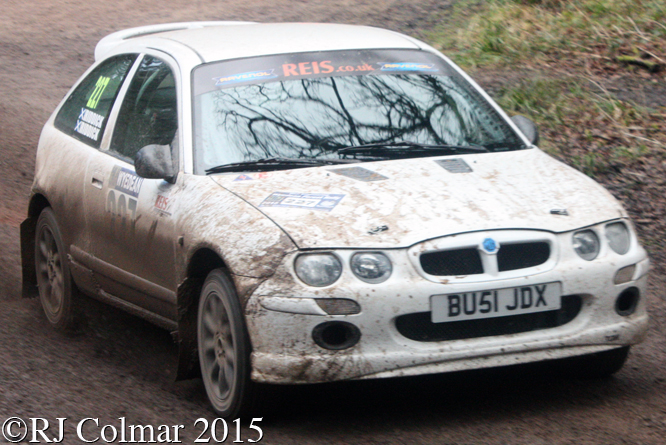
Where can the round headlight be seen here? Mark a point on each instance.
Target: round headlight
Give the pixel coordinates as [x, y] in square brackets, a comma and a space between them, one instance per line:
[318, 269]
[371, 267]
[618, 237]
[586, 244]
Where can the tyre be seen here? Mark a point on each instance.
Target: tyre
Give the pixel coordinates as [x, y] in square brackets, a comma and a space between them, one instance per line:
[224, 347]
[597, 365]
[57, 292]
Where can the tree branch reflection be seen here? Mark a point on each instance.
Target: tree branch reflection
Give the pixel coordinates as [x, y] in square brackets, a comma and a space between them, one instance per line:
[317, 116]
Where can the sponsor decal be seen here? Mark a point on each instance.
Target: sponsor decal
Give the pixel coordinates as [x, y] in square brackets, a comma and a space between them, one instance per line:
[245, 77]
[315, 201]
[251, 177]
[307, 68]
[408, 66]
[360, 174]
[126, 181]
[162, 204]
[323, 67]
[456, 165]
[89, 124]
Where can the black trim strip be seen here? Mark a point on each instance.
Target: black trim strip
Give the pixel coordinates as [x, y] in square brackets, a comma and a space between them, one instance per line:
[116, 274]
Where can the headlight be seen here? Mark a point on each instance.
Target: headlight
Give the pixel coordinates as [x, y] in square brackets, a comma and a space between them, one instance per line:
[371, 267]
[618, 237]
[586, 244]
[318, 269]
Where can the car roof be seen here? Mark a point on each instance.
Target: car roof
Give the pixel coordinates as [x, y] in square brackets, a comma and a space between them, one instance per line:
[213, 41]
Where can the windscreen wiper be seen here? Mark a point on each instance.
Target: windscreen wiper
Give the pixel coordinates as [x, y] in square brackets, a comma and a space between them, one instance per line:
[415, 149]
[274, 164]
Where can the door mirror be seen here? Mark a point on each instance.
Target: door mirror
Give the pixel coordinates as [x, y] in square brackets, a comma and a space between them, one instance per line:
[155, 162]
[528, 128]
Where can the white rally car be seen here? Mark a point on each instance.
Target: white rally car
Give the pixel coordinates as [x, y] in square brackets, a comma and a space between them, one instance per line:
[305, 203]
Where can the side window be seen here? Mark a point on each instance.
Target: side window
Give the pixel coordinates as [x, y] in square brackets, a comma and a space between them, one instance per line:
[85, 112]
[149, 114]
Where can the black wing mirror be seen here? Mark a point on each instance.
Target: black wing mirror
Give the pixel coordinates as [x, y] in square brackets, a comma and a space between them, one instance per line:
[155, 162]
[528, 128]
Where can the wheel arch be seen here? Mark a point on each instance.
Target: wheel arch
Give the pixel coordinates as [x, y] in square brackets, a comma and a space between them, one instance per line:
[203, 260]
[38, 202]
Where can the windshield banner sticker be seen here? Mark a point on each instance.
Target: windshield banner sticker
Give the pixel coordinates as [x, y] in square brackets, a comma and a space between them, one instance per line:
[408, 67]
[257, 70]
[126, 181]
[314, 201]
[359, 173]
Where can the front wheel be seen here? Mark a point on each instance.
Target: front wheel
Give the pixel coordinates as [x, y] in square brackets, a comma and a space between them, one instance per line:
[57, 292]
[224, 347]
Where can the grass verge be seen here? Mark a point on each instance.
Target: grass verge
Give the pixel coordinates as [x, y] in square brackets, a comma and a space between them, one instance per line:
[585, 126]
[598, 35]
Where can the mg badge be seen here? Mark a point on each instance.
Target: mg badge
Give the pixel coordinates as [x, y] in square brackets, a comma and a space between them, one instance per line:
[490, 246]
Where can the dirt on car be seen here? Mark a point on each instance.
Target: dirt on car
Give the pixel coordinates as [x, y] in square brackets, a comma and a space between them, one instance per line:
[119, 367]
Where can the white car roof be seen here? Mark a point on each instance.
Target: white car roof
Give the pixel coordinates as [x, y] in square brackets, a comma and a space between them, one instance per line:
[213, 41]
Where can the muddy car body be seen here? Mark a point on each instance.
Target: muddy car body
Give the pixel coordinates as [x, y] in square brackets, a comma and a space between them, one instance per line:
[306, 203]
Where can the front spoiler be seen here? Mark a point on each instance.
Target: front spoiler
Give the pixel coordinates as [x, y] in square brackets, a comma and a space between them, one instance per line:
[353, 364]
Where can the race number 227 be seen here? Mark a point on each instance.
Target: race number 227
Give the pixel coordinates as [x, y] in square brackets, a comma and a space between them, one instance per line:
[100, 86]
[122, 207]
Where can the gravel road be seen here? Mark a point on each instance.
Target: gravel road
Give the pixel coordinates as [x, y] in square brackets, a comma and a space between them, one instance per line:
[121, 367]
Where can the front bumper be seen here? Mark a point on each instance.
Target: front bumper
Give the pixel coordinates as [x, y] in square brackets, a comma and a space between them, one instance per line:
[284, 350]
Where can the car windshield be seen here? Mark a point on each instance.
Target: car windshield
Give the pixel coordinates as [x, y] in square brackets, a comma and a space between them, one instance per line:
[341, 106]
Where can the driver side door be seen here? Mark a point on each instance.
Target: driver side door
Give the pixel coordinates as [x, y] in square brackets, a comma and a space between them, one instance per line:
[131, 226]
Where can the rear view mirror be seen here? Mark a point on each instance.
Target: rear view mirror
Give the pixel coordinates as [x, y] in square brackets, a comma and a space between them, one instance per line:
[528, 128]
[155, 162]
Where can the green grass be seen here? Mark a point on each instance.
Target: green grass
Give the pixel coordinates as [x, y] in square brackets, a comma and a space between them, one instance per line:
[594, 132]
[601, 33]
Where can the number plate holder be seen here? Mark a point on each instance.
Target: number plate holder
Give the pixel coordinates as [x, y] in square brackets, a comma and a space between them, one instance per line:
[496, 302]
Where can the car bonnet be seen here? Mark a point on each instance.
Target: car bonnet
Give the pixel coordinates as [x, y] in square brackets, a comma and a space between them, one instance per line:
[398, 203]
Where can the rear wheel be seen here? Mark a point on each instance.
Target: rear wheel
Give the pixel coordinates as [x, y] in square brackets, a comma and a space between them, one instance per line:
[56, 289]
[224, 347]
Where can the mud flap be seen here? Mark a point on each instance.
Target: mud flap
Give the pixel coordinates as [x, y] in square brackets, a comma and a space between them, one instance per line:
[28, 269]
[186, 336]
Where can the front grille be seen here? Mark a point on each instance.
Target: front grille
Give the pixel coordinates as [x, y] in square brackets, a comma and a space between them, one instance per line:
[419, 327]
[452, 262]
[467, 261]
[523, 255]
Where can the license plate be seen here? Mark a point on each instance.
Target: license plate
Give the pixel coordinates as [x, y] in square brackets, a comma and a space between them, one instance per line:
[496, 303]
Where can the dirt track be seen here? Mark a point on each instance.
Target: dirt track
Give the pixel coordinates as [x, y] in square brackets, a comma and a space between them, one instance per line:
[120, 366]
